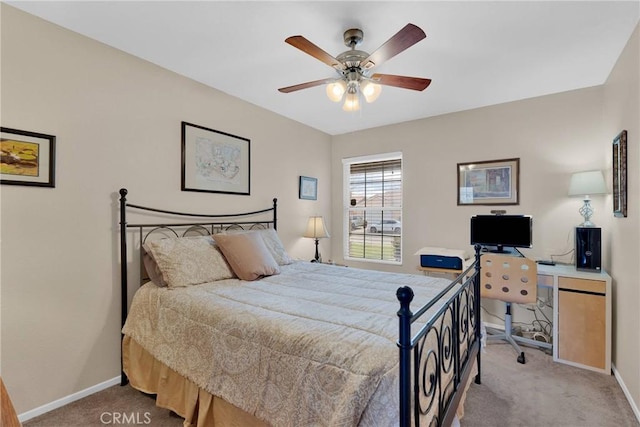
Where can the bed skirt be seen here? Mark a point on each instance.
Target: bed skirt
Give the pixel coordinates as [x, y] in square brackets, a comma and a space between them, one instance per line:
[198, 407]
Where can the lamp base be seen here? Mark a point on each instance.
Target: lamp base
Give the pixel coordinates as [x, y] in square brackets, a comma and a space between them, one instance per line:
[317, 257]
[586, 211]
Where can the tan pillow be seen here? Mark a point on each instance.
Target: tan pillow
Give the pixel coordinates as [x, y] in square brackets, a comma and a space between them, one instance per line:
[248, 255]
[188, 261]
[272, 241]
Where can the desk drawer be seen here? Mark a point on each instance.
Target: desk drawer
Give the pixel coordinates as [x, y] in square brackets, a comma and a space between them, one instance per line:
[585, 285]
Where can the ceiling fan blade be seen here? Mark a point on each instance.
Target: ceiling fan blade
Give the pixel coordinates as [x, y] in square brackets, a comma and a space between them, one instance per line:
[413, 83]
[306, 85]
[402, 40]
[311, 49]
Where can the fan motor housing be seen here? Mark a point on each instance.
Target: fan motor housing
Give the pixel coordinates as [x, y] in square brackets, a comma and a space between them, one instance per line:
[352, 58]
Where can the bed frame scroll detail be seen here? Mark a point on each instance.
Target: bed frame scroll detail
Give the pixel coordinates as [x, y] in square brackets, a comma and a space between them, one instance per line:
[433, 380]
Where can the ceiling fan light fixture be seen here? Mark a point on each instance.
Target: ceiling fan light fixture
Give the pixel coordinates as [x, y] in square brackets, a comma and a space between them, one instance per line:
[354, 67]
[336, 90]
[370, 90]
[351, 102]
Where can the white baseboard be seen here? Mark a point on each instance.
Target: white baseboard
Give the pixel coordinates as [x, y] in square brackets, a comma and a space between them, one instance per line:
[67, 399]
[625, 390]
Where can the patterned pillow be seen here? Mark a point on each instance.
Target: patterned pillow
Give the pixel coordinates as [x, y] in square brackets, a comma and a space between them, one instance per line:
[273, 243]
[188, 261]
[248, 255]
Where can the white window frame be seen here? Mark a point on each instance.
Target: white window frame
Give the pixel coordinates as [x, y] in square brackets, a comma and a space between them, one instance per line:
[346, 222]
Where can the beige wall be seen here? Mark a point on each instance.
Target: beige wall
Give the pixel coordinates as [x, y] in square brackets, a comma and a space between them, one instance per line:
[622, 111]
[553, 136]
[117, 123]
[117, 120]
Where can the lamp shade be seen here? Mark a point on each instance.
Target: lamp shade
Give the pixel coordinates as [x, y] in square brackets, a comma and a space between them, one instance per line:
[370, 90]
[336, 90]
[316, 228]
[587, 183]
[351, 102]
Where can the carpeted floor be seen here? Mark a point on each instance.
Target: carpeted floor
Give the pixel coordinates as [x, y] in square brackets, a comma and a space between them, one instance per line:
[538, 394]
[543, 393]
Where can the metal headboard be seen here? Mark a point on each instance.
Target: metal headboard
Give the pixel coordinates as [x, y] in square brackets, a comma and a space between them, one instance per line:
[215, 223]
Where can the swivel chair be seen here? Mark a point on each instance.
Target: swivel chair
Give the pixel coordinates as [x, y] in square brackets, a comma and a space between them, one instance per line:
[512, 279]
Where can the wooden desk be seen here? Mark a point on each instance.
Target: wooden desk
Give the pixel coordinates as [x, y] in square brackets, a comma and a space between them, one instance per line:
[581, 316]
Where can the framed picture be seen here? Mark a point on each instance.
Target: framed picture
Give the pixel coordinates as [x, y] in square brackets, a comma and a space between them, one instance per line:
[620, 175]
[27, 158]
[493, 182]
[214, 161]
[308, 188]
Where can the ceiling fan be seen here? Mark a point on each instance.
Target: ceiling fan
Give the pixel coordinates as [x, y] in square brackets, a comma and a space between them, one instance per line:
[354, 67]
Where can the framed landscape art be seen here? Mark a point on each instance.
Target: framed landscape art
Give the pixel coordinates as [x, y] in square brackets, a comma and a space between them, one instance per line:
[492, 182]
[27, 158]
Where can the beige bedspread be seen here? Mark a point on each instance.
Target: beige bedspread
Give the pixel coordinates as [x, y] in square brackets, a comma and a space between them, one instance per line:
[315, 345]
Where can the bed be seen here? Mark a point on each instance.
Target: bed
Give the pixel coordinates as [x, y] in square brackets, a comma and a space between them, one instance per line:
[238, 341]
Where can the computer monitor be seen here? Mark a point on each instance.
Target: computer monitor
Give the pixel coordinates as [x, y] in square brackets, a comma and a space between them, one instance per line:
[502, 231]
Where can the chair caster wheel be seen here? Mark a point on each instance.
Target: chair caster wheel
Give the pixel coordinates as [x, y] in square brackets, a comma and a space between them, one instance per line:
[521, 358]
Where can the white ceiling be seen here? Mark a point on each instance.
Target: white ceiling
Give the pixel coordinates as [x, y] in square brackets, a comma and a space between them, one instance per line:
[477, 53]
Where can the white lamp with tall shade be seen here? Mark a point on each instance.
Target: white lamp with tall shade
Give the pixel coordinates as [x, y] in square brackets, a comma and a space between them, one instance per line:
[316, 230]
[586, 184]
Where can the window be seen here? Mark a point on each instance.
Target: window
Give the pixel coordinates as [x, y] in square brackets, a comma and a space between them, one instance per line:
[373, 208]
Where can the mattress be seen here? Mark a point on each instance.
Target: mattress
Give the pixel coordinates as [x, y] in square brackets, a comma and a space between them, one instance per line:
[314, 345]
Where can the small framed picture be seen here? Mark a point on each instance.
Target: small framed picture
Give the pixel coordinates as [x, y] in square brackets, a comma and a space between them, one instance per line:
[308, 188]
[214, 161]
[28, 158]
[492, 182]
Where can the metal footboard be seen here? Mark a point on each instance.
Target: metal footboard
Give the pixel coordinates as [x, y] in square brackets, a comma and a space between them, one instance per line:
[436, 361]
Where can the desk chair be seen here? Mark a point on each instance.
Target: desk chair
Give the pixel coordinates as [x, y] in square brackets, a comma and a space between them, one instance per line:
[512, 279]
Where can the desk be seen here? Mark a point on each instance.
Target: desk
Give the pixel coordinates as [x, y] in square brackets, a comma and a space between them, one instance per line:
[581, 316]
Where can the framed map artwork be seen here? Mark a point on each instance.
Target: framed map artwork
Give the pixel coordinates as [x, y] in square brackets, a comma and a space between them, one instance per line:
[214, 161]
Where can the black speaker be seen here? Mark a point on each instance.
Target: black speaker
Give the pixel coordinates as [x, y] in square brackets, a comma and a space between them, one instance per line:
[588, 248]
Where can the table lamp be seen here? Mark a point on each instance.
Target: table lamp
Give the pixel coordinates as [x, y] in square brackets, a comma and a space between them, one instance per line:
[316, 230]
[587, 184]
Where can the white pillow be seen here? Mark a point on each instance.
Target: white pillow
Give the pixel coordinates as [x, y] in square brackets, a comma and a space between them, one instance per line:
[185, 261]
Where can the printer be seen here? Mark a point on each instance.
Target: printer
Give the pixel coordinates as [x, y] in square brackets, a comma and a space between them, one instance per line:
[442, 258]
